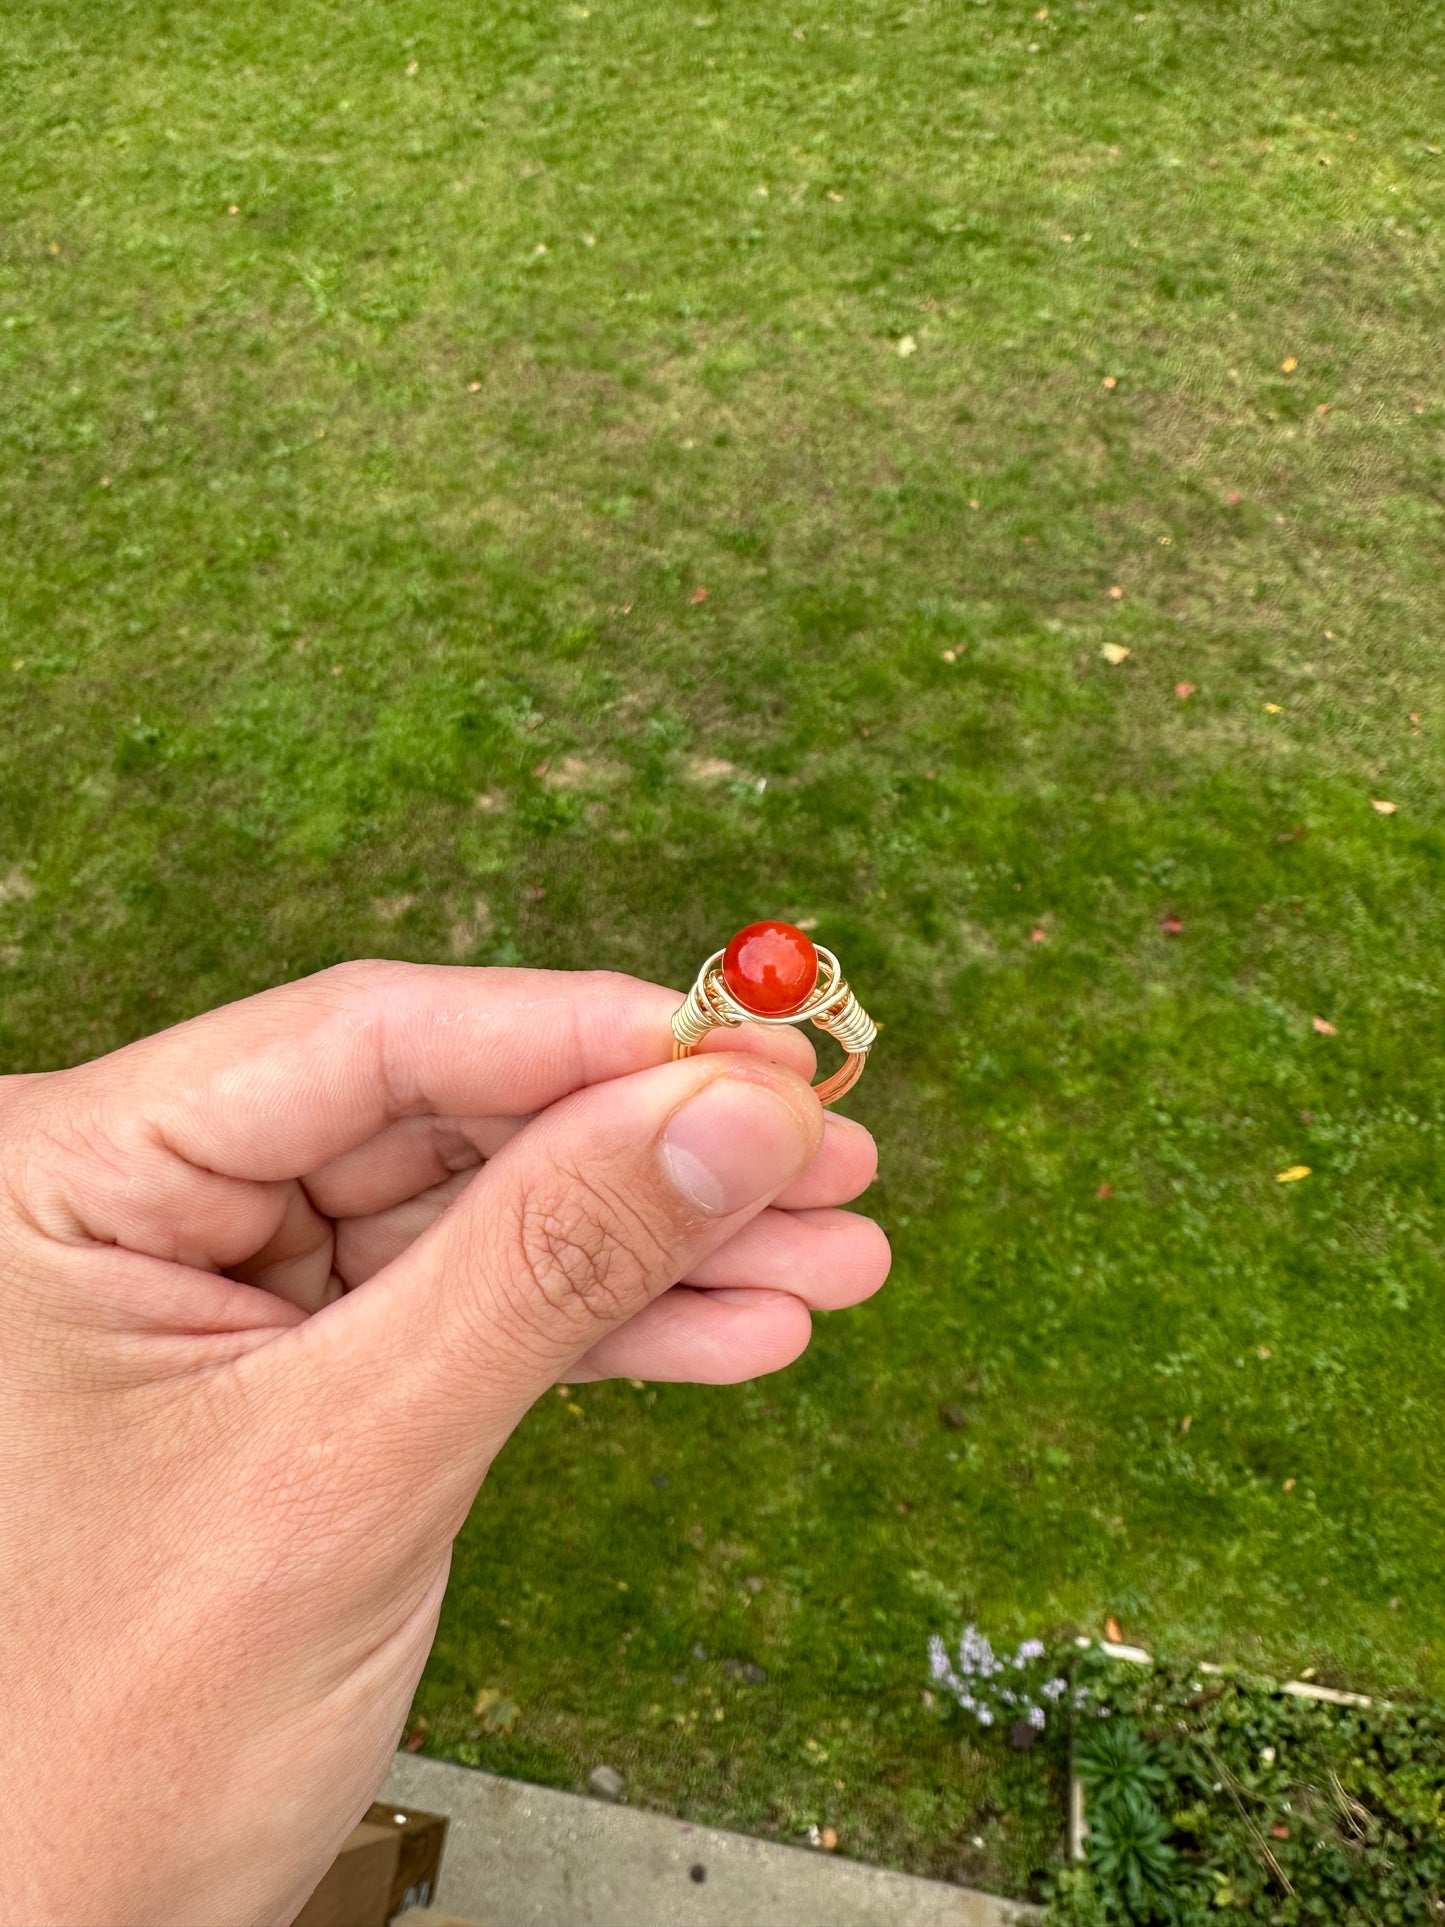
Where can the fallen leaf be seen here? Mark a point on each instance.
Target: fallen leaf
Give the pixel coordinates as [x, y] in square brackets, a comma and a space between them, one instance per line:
[1038, 936]
[1171, 925]
[1263, 1351]
[1322, 408]
[1114, 652]
[1279, 1831]
[1184, 690]
[1290, 1484]
[1186, 1425]
[1104, 1191]
[698, 595]
[496, 1710]
[908, 346]
[1414, 715]
[1292, 1175]
[1234, 498]
[1288, 365]
[950, 655]
[1324, 1026]
[233, 209]
[1275, 709]
[1116, 594]
[1113, 1630]
[1382, 808]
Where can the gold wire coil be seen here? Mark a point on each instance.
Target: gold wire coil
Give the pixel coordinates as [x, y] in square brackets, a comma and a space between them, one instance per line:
[830, 1006]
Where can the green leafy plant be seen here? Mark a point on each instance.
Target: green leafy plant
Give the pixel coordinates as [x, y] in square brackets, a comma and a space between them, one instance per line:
[1209, 1795]
[1114, 1763]
[1128, 1836]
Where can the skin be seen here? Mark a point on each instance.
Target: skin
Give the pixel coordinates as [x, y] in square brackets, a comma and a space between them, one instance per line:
[275, 1287]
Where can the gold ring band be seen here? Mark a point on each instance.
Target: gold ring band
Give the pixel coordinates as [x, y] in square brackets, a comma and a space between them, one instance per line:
[829, 1006]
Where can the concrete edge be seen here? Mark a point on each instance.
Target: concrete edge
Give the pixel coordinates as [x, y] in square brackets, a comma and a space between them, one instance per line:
[519, 1854]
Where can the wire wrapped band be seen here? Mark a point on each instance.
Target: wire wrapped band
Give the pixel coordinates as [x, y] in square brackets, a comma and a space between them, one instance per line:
[830, 1006]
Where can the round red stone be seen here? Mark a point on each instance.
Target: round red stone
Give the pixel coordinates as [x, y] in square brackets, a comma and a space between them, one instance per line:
[770, 968]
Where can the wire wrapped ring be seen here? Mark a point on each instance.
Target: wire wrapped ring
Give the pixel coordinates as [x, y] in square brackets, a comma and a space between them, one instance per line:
[830, 1006]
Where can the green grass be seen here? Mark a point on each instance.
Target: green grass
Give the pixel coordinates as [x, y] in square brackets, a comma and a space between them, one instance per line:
[346, 607]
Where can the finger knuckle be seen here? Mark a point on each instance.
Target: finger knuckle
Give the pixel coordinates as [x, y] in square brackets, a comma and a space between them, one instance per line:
[359, 977]
[580, 1251]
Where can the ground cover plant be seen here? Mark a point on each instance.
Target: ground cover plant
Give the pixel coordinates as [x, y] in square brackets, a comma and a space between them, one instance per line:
[1211, 1793]
[555, 482]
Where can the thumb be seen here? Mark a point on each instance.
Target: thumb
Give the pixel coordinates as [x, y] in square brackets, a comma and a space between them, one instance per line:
[596, 1207]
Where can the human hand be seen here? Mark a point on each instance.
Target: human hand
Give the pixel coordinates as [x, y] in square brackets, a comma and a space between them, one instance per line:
[275, 1286]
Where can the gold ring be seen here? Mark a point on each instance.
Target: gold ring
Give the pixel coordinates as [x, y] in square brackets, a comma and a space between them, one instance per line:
[772, 973]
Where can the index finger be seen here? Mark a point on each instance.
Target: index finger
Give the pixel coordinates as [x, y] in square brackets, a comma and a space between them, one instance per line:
[278, 1084]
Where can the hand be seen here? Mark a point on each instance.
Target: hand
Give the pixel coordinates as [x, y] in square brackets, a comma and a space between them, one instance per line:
[275, 1286]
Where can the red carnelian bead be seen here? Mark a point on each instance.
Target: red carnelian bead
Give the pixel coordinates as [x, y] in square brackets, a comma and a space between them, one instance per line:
[770, 968]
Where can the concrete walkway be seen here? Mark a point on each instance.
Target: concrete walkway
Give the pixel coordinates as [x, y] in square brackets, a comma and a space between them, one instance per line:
[526, 1856]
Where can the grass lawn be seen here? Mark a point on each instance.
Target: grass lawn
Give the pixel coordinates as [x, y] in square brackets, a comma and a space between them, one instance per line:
[379, 386]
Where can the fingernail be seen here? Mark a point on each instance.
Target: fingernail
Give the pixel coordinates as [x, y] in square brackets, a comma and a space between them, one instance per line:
[733, 1143]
